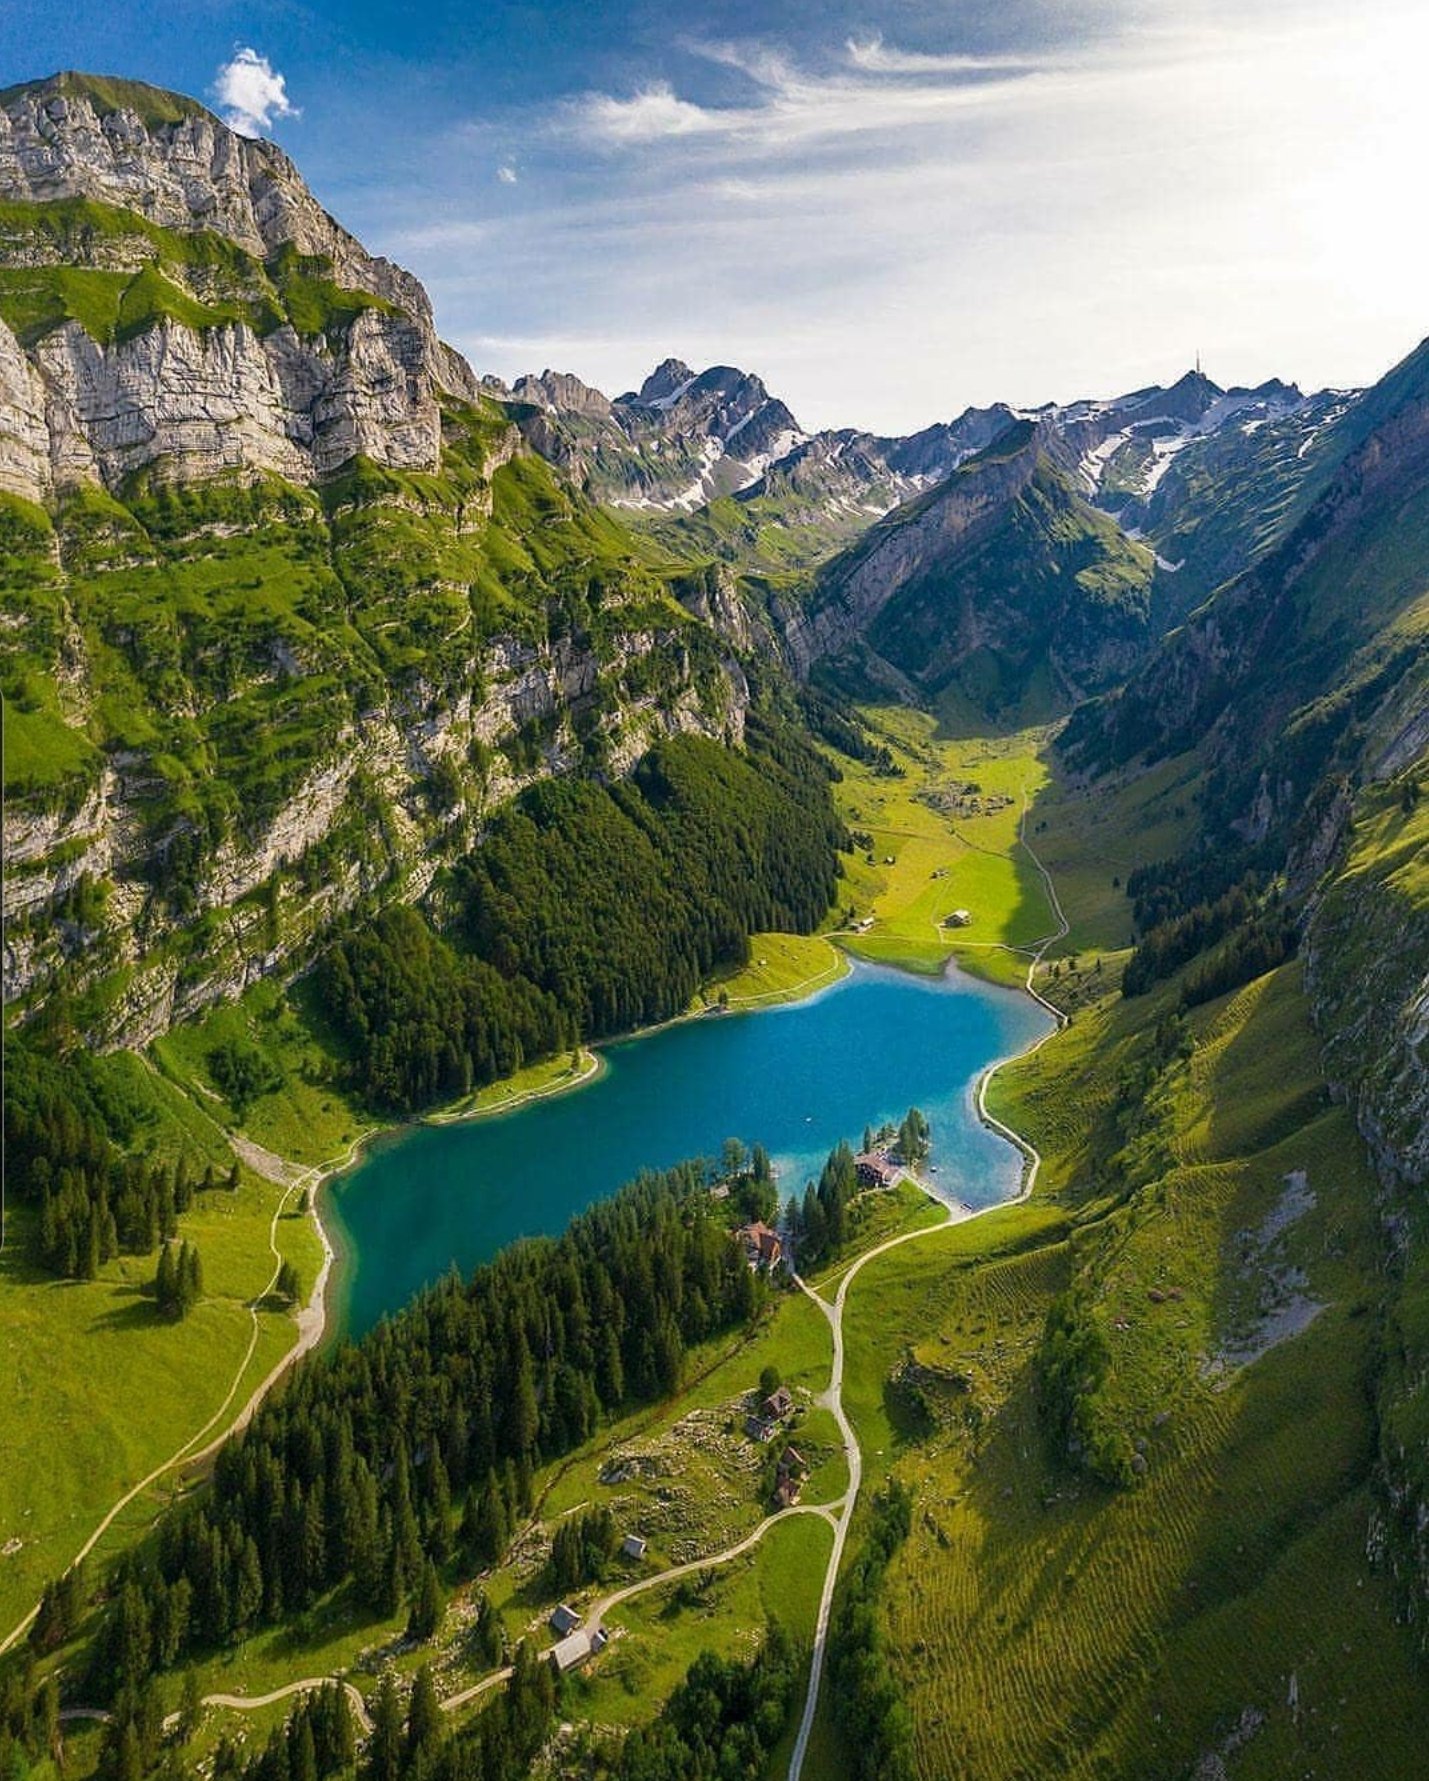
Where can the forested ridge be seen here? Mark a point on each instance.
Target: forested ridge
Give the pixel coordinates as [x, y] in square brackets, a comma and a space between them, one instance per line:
[588, 910]
[355, 1471]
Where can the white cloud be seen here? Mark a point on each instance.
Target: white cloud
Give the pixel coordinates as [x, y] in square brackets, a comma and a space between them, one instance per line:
[885, 239]
[506, 173]
[871, 55]
[252, 93]
[653, 113]
[792, 107]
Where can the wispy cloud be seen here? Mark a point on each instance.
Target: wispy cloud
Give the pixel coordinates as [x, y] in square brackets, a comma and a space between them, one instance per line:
[791, 105]
[871, 55]
[885, 233]
[252, 93]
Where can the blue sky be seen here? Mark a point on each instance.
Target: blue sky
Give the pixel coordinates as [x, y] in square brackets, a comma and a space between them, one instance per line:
[888, 210]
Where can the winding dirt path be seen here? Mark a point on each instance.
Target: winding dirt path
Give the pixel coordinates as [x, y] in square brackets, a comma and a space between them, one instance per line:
[311, 1323]
[250, 1703]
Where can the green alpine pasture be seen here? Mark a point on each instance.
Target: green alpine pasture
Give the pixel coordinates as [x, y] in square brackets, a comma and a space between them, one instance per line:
[1043, 1622]
[103, 1388]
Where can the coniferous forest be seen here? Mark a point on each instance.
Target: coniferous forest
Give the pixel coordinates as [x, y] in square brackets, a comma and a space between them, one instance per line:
[385, 1459]
[589, 910]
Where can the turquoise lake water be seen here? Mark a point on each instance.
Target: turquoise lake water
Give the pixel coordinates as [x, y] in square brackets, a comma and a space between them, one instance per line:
[796, 1079]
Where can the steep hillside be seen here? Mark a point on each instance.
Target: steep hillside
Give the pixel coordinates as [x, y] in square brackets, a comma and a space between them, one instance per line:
[1001, 581]
[1313, 661]
[1304, 687]
[289, 605]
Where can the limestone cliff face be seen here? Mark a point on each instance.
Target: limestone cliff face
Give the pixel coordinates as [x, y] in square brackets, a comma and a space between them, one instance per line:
[334, 671]
[62, 138]
[197, 403]
[364, 825]
[197, 399]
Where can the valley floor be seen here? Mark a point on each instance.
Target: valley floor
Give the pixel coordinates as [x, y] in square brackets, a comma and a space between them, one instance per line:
[1217, 1217]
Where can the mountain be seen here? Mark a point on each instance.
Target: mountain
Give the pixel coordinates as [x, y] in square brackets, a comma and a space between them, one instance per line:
[1001, 581]
[289, 604]
[1301, 687]
[677, 442]
[1304, 659]
[170, 290]
[1196, 479]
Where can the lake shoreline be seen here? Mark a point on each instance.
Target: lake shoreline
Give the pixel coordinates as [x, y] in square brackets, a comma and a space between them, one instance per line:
[417, 1210]
[334, 1235]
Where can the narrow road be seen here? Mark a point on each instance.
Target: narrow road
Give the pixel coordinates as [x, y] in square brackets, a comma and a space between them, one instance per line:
[842, 1511]
[657, 1579]
[250, 1703]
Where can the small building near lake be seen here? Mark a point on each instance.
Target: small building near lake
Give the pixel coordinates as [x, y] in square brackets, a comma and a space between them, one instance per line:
[874, 1168]
[763, 1247]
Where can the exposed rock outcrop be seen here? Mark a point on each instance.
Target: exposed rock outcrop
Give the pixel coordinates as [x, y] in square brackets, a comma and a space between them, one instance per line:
[194, 397]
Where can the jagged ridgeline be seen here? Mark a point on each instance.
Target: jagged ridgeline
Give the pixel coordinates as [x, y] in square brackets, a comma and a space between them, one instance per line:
[290, 608]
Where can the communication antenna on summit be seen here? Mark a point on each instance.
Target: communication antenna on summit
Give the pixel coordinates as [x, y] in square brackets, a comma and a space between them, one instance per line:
[1198, 361]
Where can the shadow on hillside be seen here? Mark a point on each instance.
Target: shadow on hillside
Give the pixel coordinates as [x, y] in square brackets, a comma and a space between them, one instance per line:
[139, 1310]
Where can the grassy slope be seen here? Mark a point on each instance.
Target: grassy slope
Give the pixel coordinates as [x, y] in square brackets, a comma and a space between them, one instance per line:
[1047, 1626]
[102, 1389]
[781, 968]
[702, 1491]
[982, 868]
[117, 274]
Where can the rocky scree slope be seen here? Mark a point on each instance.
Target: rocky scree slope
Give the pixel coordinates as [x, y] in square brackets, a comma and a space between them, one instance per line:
[289, 606]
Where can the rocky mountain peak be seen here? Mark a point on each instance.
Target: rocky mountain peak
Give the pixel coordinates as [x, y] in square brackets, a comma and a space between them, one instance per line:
[288, 348]
[663, 383]
[561, 391]
[170, 160]
[1187, 399]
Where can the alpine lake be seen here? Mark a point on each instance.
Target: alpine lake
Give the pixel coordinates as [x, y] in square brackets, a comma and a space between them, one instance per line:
[796, 1078]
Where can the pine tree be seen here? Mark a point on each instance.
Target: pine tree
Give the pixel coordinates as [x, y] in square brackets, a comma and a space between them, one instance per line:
[439, 1510]
[488, 1639]
[426, 1615]
[302, 1752]
[166, 1290]
[384, 1747]
[191, 1706]
[525, 1413]
[424, 1717]
[190, 1277]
